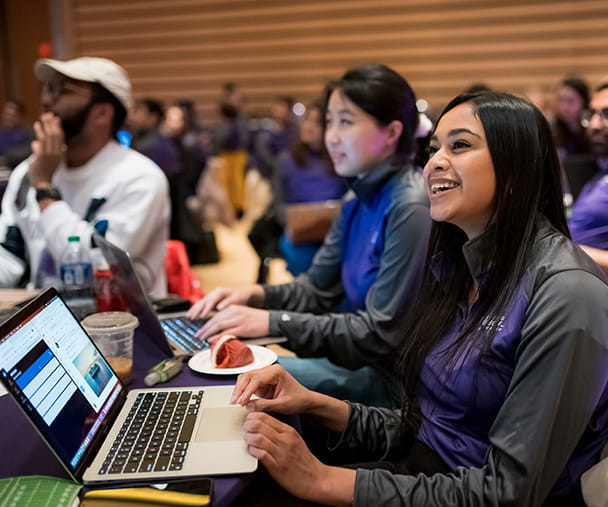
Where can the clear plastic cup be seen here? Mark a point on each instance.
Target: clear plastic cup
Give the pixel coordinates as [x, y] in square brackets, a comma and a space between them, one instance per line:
[113, 333]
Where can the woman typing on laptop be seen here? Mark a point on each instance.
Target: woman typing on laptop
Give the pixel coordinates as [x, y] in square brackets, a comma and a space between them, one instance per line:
[368, 268]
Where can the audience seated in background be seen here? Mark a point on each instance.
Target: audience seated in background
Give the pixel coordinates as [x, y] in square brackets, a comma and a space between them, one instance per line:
[182, 126]
[505, 365]
[281, 134]
[571, 99]
[230, 146]
[589, 219]
[79, 179]
[370, 264]
[15, 137]
[144, 120]
[305, 174]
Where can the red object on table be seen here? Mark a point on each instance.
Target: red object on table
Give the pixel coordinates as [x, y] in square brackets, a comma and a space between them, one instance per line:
[181, 280]
[107, 293]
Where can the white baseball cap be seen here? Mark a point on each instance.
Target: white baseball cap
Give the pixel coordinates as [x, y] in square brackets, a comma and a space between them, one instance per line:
[107, 73]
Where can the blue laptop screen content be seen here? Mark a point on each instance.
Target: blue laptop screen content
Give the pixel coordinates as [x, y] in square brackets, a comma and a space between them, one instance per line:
[59, 378]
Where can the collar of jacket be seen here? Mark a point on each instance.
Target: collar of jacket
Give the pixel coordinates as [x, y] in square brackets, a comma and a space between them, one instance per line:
[367, 186]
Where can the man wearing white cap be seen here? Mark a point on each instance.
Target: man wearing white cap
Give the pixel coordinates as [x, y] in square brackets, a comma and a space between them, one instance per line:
[79, 179]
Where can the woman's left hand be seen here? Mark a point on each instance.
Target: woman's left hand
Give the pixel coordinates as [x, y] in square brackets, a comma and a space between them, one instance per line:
[241, 321]
[283, 452]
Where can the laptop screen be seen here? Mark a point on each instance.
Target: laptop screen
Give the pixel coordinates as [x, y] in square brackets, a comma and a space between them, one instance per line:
[58, 376]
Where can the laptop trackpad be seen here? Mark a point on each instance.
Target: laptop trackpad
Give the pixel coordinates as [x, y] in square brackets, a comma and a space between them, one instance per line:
[221, 424]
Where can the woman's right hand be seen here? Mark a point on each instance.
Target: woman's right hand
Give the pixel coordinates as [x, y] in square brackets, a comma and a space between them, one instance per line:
[277, 391]
[222, 297]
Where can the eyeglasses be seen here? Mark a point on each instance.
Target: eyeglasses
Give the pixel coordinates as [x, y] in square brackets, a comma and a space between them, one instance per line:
[62, 87]
[588, 114]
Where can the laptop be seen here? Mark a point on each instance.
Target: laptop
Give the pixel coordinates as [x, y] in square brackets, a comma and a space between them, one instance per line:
[98, 430]
[173, 335]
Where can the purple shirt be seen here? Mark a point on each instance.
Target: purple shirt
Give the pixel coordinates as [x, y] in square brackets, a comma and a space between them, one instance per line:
[314, 182]
[553, 331]
[589, 220]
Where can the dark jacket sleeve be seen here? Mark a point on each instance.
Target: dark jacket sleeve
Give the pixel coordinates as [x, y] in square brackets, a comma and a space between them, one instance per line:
[367, 337]
[560, 376]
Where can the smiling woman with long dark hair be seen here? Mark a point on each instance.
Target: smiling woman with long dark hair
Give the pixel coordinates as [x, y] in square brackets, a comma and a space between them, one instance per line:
[505, 364]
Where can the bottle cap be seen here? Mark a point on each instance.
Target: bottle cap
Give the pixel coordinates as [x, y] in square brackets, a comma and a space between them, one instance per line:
[151, 378]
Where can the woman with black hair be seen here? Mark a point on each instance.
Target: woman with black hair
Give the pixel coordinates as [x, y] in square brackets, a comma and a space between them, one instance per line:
[505, 365]
[571, 99]
[305, 175]
[368, 269]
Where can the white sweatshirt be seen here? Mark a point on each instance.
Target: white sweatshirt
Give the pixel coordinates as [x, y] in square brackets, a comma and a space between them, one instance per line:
[135, 204]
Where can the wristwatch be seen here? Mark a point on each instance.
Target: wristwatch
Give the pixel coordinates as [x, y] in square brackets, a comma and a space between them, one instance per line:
[48, 193]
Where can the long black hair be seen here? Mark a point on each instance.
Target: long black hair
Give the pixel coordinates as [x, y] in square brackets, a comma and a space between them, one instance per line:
[301, 151]
[528, 187]
[384, 94]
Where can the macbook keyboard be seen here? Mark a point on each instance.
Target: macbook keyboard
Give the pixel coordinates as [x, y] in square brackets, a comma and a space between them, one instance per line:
[156, 433]
[181, 331]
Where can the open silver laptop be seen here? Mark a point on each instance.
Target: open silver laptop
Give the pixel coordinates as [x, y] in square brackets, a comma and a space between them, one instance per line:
[97, 429]
[173, 334]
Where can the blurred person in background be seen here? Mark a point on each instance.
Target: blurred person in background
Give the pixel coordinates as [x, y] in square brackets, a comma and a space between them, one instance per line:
[230, 147]
[305, 174]
[589, 219]
[278, 137]
[571, 99]
[15, 136]
[144, 120]
[182, 126]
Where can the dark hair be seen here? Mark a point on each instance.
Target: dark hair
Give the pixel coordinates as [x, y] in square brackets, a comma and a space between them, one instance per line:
[301, 151]
[602, 87]
[579, 86]
[228, 111]
[153, 106]
[384, 94]
[477, 88]
[102, 96]
[528, 187]
[191, 119]
[287, 100]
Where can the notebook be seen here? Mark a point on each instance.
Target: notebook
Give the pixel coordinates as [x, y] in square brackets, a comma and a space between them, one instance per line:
[69, 392]
[173, 335]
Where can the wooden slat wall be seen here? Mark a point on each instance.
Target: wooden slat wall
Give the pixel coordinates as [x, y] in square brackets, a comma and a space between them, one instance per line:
[188, 48]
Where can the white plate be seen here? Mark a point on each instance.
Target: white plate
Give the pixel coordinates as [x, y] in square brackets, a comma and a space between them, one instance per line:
[262, 356]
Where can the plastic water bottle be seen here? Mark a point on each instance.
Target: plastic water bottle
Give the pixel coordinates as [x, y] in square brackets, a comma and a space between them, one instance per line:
[77, 276]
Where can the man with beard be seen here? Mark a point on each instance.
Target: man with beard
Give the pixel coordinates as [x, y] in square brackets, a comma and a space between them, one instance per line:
[589, 220]
[79, 179]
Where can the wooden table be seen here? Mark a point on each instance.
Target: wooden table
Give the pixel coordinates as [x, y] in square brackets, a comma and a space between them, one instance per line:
[10, 297]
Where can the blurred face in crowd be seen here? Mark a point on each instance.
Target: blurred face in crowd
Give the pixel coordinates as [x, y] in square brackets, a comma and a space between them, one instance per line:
[597, 131]
[69, 99]
[460, 176]
[174, 121]
[354, 139]
[140, 118]
[311, 129]
[11, 117]
[569, 104]
[281, 112]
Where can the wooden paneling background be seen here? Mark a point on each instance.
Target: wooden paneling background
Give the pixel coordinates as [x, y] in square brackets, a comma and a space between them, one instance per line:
[188, 48]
